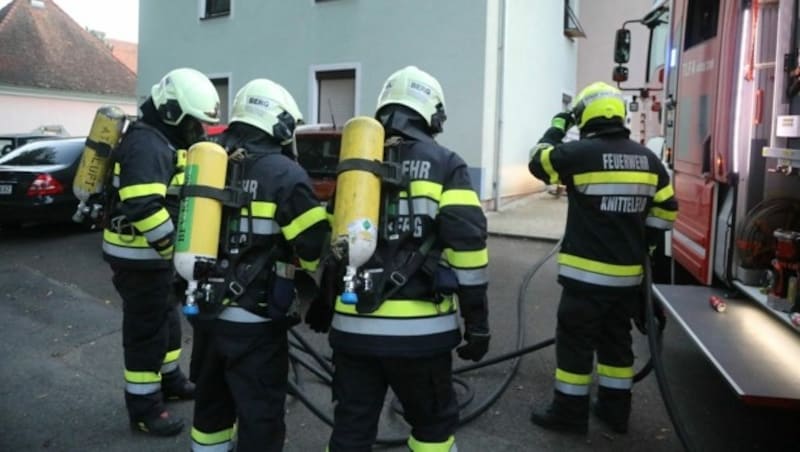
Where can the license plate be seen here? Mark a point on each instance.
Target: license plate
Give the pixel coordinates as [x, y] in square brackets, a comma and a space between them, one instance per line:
[5, 189]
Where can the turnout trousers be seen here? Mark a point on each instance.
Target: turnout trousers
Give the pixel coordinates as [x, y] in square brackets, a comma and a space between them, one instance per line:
[242, 378]
[590, 322]
[151, 337]
[424, 387]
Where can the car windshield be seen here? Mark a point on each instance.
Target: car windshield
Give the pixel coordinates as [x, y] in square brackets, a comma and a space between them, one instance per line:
[44, 153]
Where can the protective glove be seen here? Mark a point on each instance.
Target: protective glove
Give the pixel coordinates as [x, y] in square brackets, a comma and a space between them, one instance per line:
[563, 121]
[477, 344]
[319, 315]
[475, 312]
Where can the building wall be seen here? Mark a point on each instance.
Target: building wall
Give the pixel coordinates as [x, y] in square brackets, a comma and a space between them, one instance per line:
[286, 40]
[25, 110]
[539, 64]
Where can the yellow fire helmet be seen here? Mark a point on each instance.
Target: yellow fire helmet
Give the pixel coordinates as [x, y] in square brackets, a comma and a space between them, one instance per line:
[417, 90]
[186, 92]
[598, 100]
[268, 106]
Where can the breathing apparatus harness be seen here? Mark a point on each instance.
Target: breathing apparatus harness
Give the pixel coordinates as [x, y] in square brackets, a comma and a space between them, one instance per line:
[225, 280]
[386, 276]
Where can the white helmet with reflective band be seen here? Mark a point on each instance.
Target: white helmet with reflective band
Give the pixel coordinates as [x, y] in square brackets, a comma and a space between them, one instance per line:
[186, 92]
[268, 106]
[417, 90]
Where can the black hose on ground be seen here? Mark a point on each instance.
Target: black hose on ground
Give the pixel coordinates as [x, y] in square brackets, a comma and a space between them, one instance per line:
[654, 340]
[325, 373]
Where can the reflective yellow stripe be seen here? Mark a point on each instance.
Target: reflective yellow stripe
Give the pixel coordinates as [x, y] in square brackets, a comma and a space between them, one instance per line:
[615, 372]
[172, 355]
[415, 445]
[178, 179]
[459, 198]
[467, 259]
[329, 217]
[142, 377]
[402, 308]
[669, 215]
[664, 194]
[180, 159]
[304, 221]
[573, 379]
[599, 267]
[129, 241]
[616, 177]
[135, 191]
[152, 221]
[261, 209]
[547, 165]
[117, 169]
[426, 188]
[309, 265]
[212, 438]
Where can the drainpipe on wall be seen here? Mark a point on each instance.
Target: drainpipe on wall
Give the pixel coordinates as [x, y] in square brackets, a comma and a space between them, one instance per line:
[498, 138]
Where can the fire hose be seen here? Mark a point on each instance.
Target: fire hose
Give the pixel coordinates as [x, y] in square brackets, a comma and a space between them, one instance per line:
[303, 354]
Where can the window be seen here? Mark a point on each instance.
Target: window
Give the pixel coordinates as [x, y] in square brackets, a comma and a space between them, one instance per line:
[701, 22]
[336, 95]
[215, 8]
[572, 26]
[221, 84]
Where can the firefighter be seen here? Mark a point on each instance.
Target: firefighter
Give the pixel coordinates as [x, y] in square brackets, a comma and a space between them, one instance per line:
[242, 373]
[403, 337]
[618, 191]
[138, 237]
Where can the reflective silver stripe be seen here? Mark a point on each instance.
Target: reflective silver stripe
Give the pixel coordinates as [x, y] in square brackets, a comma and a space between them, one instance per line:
[284, 270]
[260, 226]
[472, 277]
[221, 447]
[141, 254]
[169, 367]
[597, 278]
[174, 190]
[159, 232]
[572, 389]
[142, 388]
[395, 327]
[422, 206]
[616, 189]
[240, 315]
[658, 223]
[115, 181]
[615, 383]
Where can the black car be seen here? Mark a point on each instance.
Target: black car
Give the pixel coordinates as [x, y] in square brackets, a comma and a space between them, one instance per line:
[11, 141]
[36, 182]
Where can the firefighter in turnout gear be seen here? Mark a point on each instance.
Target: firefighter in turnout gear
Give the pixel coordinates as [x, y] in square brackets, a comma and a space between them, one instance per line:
[138, 237]
[619, 192]
[279, 231]
[432, 254]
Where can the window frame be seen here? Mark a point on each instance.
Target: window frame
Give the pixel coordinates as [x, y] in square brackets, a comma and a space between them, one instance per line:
[202, 10]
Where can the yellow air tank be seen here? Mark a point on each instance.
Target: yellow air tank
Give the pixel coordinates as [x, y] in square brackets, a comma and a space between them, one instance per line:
[95, 161]
[200, 217]
[358, 193]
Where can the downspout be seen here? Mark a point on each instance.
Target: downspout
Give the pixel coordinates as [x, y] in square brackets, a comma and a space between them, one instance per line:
[498, 112]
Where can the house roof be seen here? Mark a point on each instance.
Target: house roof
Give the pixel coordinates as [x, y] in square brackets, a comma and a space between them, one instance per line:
[125, 51]
[42, 47]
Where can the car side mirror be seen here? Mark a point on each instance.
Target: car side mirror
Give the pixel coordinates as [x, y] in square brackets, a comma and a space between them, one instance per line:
[622, 46]
[620, 74]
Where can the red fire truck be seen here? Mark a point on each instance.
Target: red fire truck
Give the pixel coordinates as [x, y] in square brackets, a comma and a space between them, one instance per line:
[731, 125]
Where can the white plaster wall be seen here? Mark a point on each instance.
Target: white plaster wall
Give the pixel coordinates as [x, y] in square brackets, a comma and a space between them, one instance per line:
[21, 113]
[540, 65]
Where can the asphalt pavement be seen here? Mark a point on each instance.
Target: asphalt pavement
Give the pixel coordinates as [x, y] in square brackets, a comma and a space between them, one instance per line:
[61, 385]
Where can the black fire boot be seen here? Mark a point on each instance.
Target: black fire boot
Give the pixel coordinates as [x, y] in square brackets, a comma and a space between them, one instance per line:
[175, 386]
[613, 408]
[566, 414]
[160, 425]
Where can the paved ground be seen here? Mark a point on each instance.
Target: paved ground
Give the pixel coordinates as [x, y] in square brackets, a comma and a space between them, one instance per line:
[60, 362]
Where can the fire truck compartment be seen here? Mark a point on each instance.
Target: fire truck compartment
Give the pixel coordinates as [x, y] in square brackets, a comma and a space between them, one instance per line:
[756, 351]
